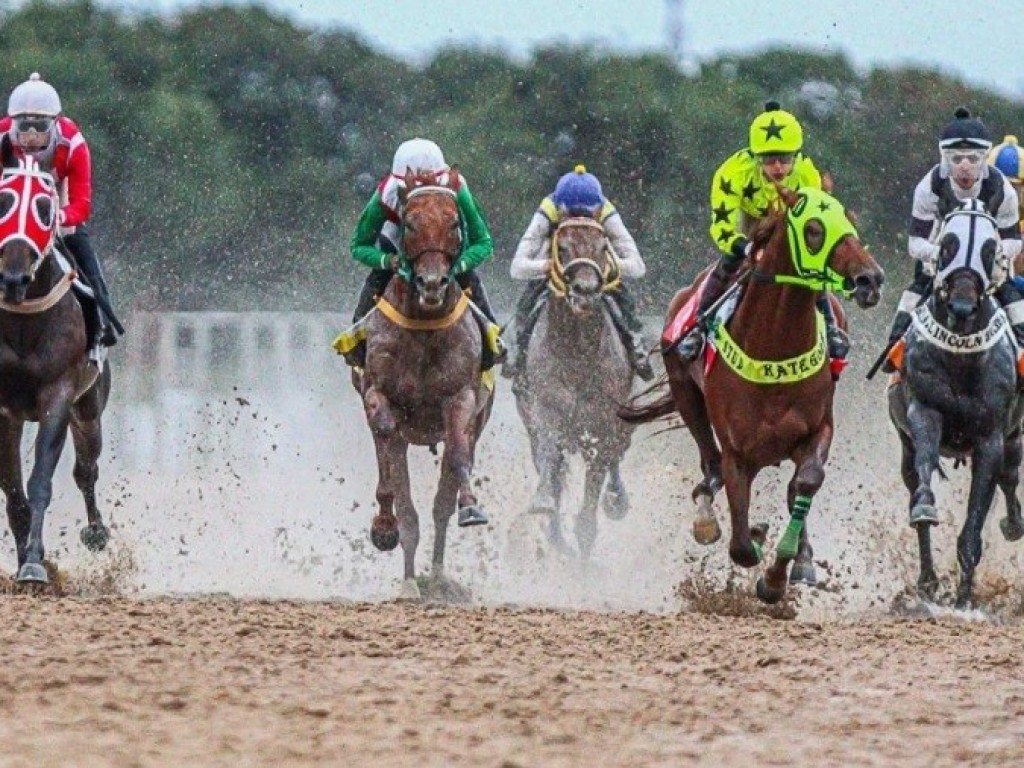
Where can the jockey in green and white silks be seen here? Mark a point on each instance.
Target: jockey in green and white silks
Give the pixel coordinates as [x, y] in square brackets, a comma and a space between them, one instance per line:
[377, 239]
[577, 193]
[960, 175]
[742, 192]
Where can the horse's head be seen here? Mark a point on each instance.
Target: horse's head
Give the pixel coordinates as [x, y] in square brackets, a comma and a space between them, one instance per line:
[582, 263]
[431, 234]
[968, 263]
[28, 226]
[824, 247]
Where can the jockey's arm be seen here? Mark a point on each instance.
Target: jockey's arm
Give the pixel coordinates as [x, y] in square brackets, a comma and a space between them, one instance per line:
[364, 247]
[531, 259]
[631, 264]
[1008, 220]
[79, 187]
[923, 222]
[726, 190]
[479, 244]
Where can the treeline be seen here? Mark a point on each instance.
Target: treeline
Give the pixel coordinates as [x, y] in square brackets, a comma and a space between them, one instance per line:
[233, 150]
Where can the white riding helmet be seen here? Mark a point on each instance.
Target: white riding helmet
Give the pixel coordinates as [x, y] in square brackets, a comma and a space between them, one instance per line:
[34, 97]
[421, 155]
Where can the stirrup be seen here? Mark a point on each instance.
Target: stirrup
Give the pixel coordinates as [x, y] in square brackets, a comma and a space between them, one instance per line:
[691, 345]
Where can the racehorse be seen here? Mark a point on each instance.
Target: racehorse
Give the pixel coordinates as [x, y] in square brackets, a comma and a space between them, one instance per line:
[577, 373]
[422, 382]
[45, 373]
[956, 395]
[765, 393]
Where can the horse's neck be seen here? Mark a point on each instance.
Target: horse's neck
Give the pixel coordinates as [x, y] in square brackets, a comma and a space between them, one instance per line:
[774, 320]
[47, 276]
[584, 331]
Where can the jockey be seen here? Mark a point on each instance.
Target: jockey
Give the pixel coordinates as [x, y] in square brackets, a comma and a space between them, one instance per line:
[1008, 157]
[577, 193]
[960, 174]
[742, 192]
[377, 239]
[35, 126]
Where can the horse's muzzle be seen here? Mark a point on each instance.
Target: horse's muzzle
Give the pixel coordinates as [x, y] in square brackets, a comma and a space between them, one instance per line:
[432, 290]
[867, 288]
[581, 303]
[15, 288]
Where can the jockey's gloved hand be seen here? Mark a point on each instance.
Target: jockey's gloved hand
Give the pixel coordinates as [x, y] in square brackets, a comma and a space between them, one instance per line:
[741, 249]
[930, 260]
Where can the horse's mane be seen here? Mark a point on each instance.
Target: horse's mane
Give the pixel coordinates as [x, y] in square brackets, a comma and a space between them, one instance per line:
[764, 228]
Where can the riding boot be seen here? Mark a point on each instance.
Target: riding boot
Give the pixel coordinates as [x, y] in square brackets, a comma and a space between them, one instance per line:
[80, 247]
[1011, 299]
[374, 286]
[494, 347]
[527, 314]
[838, 341]
[693, 342]
[631, 331]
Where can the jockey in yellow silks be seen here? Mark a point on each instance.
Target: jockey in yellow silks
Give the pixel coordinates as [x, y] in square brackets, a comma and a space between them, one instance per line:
[577, 193]
[742, 192]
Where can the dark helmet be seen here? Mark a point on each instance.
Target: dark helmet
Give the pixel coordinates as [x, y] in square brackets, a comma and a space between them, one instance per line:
[965, 132]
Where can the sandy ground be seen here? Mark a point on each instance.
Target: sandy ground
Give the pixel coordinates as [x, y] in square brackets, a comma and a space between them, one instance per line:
[241, 615]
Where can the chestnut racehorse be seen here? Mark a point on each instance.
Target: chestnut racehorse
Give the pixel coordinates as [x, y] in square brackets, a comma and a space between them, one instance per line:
[767, 395]
[422, 384]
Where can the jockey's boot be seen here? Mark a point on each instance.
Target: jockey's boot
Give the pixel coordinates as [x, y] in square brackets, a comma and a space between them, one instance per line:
[836, 337]
[494, 351]
[900, 326]
[693, 342]
[1011, 299]
[631, 332]
[351, 343]
[527, 313]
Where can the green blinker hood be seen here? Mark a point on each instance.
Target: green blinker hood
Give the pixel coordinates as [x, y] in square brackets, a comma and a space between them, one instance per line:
[812, 268]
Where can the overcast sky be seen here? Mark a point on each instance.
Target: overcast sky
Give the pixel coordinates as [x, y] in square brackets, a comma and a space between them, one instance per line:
[980, 42]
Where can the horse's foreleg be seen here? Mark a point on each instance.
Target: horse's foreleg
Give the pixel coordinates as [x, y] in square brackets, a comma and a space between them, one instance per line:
[87, 437]
[985, 463]
[444, 507]
[53, 431]
[925, 427]
[460, 434]
[586, 520]
[18, 512]
[408, 520]
[927, 581]
[743, 548]
[615, 501]
[806, 481]
[1012, 525]
[384, 528]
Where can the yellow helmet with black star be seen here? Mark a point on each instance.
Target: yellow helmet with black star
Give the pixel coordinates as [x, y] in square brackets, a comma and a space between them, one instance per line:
[775, 131]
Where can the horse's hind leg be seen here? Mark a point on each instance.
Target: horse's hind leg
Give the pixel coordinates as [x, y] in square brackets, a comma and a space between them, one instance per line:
[444, 507]
[408, 520]
[745, 546]
[1012, 525]
[18, 513]
[459, 444]
[88, 440]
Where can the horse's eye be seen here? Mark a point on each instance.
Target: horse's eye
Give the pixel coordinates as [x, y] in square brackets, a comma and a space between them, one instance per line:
[44, 211]
[988, 256]
[8, 201]
[814, 235]
[948, 248]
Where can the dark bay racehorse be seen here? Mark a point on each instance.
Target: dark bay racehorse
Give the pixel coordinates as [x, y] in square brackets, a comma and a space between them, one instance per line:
[577, 373]
[422, 383]
[45, 374]
[767, 396]
[956, 395]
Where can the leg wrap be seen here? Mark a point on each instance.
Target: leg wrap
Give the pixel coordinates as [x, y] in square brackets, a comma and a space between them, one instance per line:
[789, 544]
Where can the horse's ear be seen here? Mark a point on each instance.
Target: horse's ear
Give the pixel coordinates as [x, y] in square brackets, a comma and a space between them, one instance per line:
[454, 179]
[787, 195]
[828, 183]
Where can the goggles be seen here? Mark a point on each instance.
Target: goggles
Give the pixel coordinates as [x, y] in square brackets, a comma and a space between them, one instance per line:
[30, 123]
[959, 156]
[767, 158]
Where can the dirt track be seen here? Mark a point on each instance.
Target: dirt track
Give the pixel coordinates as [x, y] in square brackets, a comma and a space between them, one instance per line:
[235, 489]
[223, 682]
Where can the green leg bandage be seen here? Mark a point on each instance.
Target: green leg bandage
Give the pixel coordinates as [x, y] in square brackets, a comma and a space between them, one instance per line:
[758, 549]
[789, 544]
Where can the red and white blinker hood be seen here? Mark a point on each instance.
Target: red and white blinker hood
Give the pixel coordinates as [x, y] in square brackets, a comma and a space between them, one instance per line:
[28, 207]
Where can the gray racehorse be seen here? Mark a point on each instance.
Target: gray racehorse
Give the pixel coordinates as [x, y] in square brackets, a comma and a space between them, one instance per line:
[957, 395]
[577, 373]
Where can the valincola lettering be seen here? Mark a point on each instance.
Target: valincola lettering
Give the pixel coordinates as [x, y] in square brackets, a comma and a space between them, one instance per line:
[932, 331]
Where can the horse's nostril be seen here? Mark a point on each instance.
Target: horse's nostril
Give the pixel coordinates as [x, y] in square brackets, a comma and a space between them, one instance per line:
[25, 280]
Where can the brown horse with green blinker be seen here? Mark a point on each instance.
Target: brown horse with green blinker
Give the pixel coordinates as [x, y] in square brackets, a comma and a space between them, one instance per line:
[767, 397]
[422, 383]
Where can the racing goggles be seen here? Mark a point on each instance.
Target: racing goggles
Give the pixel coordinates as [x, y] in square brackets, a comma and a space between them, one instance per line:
[33, 123]
[767, 158]
[956, 157]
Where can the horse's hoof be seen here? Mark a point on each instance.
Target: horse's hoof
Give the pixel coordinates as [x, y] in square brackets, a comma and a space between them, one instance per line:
[924, 514]
[1012, 529]
[768, 595]
[706, 530]
[803, 573]
[32, 573]
[95, 537]
[472, 515]
[384, 532]
[615, 504]
[410, 591]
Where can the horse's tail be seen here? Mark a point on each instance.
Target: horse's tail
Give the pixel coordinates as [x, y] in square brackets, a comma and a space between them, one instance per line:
[635, 413]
